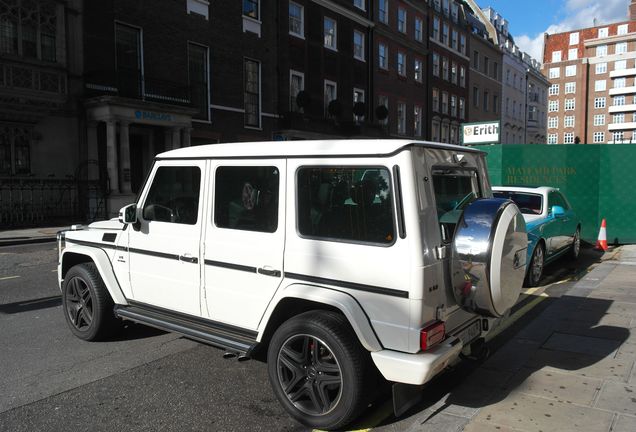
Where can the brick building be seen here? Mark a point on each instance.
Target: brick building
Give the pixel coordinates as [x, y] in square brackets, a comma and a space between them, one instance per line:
[592, 94]
[324, 52]
[448, 70]
[484, 78]
[40, 78]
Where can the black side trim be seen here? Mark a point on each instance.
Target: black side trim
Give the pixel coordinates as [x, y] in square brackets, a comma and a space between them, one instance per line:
[109, 237]
[225, 336]
[350, 285]
[89, 243]
[400, 203]
[231, 266]
[154, 253]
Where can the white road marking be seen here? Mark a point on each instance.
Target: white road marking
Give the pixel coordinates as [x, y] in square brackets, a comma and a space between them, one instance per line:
[8, 277]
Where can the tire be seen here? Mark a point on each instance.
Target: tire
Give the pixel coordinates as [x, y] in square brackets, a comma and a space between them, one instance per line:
[537, 262]
[87, 305]
[328, 393]
[576, 245]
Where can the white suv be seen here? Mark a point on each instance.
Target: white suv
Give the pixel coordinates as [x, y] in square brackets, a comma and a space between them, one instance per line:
[339, 258]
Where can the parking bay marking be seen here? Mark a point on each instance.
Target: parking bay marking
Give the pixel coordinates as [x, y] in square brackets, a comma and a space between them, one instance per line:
[8, 277]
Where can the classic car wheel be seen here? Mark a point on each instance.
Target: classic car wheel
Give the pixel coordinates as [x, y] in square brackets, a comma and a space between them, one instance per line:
[576, 244]
[87, 305]
[318, 370]
[536, 266]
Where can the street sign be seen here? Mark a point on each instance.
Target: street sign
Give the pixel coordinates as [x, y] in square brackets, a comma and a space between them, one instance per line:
[480, 133]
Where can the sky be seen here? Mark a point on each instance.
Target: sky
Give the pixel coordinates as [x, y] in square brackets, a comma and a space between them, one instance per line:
[529, 20]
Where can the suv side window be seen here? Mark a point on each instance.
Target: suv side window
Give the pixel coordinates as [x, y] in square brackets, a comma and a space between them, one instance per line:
[246, 198]
[174, 195]
[346, 203]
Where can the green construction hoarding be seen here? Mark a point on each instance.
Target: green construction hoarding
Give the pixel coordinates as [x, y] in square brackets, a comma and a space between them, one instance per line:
[599, 180]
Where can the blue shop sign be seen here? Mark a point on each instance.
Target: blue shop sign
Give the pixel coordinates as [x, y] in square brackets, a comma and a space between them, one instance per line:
[151, 115]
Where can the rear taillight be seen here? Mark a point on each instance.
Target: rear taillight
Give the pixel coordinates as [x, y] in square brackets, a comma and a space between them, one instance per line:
[432, 334]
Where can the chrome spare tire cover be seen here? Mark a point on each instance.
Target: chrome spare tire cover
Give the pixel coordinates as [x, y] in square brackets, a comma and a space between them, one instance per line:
[489, 257]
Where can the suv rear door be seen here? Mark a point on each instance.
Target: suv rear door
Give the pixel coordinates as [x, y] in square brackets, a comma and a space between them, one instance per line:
[244, 239]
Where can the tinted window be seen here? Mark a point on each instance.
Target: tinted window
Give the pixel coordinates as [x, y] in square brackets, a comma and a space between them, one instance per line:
[341, 203]
[557, 199]
[527, 203]
[246, 198]
[454, 190]
[174, 195]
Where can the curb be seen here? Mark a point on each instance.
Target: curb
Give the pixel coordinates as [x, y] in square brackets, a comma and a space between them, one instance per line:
[24, 241]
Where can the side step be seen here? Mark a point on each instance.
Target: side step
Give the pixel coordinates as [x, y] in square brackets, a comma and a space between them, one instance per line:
[233, 339]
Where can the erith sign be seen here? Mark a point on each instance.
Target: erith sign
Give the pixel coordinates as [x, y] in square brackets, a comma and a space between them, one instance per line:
[480, 133]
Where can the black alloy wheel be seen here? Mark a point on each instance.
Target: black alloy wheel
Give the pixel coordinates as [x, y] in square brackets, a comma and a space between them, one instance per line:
[88, 307]
[309, 374]
[319, 371]
[79, 304]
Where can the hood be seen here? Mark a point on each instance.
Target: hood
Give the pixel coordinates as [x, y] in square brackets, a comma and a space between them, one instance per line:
[112, 224]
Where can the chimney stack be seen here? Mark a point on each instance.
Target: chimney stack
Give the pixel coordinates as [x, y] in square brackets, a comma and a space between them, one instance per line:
[632, 10]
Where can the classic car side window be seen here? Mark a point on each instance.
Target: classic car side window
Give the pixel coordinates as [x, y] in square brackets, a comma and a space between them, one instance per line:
[346, 203]
[174, 195]
[555, 199]
[246, 198]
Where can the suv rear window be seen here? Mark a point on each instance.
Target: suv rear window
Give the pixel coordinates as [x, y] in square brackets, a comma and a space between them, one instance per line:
[454, 190]
[346, 203]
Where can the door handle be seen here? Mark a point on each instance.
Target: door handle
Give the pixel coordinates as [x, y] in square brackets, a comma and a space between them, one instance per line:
[188, 258]
[269, 272]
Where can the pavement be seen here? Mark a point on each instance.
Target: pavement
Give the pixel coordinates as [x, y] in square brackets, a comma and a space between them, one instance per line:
[29, 235]
[571, 369]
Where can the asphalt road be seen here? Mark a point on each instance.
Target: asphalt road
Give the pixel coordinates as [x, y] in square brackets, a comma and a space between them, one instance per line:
[147, 380]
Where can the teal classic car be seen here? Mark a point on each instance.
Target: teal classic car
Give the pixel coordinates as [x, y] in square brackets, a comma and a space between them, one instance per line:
[553, 228]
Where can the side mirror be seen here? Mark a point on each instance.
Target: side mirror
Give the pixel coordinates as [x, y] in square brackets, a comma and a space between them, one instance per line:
[128, 214]
[558, 211]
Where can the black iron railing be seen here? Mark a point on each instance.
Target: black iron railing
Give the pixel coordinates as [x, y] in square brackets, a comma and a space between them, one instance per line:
[38, 202]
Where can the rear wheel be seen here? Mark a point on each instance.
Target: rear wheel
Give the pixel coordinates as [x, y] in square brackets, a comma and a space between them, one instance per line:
[536, 266]
[318, 370]
[87, 305]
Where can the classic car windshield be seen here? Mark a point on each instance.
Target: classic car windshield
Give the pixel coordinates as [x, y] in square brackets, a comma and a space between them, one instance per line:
[527, 203]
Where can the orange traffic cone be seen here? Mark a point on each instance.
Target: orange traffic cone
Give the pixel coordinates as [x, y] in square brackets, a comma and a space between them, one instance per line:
[601, 243]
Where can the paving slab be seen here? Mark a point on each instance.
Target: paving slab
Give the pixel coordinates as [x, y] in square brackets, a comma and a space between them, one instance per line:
[530, 413]
[618, 397]
[485, 427]
[624, 424]
[593, 346]
[440, 422]
[608, 368]
[553, 385]
[512, 356]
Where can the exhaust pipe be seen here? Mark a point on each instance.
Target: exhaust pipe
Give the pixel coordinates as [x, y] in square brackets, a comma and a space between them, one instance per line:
[229, 355]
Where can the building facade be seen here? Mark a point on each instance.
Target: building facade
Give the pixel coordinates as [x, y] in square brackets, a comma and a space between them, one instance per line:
[448, 70]
[592, 94]
[484, 78]
[40, 46]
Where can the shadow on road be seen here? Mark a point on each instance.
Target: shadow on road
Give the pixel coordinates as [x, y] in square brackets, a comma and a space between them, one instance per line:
[31, 305]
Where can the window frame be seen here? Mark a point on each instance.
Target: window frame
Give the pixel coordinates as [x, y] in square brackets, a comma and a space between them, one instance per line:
[300, 35]
[362, 35]
[246, 125]
[292, 73]
[334, 37]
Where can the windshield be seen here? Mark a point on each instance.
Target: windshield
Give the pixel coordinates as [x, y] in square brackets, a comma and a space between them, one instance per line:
[527, 203]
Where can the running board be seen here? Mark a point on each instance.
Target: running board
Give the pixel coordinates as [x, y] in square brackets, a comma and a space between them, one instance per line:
[230, 338]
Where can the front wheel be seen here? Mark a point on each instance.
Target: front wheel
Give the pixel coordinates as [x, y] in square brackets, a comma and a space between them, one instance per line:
[87, 305]
[536, 266]
[318, 370]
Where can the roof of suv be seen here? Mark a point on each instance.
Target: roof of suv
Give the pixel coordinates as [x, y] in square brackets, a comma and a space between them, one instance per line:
[319, 148]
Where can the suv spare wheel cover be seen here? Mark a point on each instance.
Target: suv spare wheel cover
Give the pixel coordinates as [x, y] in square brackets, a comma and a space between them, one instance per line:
[489, 257]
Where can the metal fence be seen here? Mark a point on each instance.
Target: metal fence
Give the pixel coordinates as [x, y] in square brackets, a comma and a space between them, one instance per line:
[28, 202]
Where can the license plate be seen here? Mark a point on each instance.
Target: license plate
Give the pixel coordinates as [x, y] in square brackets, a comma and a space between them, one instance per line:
[469, 333]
